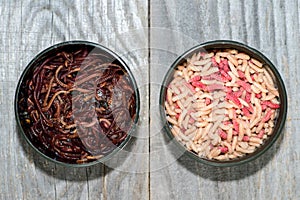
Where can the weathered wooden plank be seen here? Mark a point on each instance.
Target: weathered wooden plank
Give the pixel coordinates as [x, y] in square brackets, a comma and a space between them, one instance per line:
[128, 178]
[264, 25]
[170, 35]
[28, 27]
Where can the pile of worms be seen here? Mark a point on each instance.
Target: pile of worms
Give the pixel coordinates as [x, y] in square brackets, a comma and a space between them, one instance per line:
[222, 104]
[77, 105]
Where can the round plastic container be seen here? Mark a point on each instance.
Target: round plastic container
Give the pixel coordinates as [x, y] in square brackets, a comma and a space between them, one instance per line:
[90, 110]
[253, 53]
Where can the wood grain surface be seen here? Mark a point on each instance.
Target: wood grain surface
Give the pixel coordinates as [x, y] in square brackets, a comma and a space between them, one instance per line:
[149, 36]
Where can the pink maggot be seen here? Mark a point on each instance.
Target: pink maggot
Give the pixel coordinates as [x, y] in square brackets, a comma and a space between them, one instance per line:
[234, 99]
[267, 116]
[223, 149]
[222, 134]
[270, 104]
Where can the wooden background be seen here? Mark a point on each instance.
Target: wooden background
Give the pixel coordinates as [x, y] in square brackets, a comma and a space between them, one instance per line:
[148, 35]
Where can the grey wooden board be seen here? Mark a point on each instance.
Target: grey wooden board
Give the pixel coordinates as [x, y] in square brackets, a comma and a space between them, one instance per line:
[149, 168]
[26, 28]
[269, 26]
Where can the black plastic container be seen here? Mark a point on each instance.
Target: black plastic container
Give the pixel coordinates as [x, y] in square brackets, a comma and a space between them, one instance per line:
[226, 44]
[28, 73]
